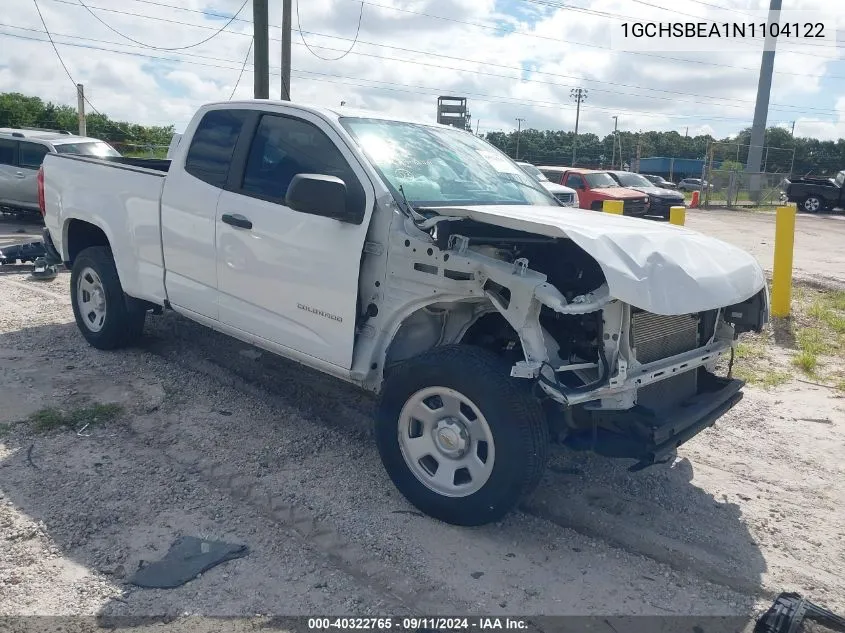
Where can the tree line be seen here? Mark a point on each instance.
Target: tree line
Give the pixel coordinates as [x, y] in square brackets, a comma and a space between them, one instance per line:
[783, 154]
[18, 110]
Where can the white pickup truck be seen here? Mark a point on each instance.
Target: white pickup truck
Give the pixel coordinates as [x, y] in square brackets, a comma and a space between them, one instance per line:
[420, 263]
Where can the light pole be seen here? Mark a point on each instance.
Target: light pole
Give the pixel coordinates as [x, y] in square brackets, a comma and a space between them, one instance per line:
[518, 131]
[579, 95]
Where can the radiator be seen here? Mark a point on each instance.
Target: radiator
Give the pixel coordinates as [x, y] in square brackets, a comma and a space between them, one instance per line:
[655, 336]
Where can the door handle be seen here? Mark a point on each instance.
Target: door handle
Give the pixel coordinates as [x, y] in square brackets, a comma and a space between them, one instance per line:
[236, 219]
[20, 174]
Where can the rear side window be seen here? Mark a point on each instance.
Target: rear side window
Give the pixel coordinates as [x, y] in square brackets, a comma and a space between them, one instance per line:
[32, 155]
[7, 152]
[284, 147]
[210, 154]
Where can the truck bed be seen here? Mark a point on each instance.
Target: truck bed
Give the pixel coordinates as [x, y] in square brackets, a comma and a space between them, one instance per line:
[121, 196]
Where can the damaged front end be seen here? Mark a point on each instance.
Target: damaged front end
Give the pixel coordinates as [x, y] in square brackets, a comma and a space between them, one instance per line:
[616, 379]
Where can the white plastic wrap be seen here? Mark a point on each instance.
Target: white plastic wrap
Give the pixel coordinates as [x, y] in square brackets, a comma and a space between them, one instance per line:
[655, 266]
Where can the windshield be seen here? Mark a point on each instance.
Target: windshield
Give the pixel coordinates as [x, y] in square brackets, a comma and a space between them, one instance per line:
[632, 180]
[87, 148]
[532, 171]
[600, 179]
[443, 166]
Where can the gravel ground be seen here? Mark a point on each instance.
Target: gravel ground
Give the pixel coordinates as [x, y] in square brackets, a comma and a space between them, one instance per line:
[217, 439]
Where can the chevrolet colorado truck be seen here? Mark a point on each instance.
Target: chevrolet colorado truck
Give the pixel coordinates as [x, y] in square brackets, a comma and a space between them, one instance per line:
[419, 263]
[817, 194]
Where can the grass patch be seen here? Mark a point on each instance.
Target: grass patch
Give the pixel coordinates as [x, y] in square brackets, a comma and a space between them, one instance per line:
[807, 362]
[52, 418]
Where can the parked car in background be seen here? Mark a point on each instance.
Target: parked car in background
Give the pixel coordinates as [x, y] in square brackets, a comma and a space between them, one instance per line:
[659, 181]
[594, 187]
[21, 154]
[817, 194]
[660, 200]
[567, 196]
[693, 184]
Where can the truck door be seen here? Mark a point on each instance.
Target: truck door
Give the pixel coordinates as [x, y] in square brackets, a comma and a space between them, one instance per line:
[188, 211]
[286, 276]
[576, 182]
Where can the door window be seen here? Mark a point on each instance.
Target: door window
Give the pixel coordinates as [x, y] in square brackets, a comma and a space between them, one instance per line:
[210, 154]
[575, 181]
[7, 152]
[32, 155]
[284, 147]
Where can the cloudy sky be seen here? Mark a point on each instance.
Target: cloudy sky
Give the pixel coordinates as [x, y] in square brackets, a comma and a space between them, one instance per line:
[510, 58]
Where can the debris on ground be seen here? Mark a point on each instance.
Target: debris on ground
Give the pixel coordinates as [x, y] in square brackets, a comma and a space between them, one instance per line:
[790, 610]
[186, 559]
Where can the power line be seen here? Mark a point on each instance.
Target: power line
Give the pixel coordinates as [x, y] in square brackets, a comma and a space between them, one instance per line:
[162, 48]
[67, 72]
[246, 59]
[722, 101]
[500, 29]
[342, 55]
[430, 90]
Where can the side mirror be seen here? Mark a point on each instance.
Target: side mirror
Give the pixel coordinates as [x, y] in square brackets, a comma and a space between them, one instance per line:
[321, 195]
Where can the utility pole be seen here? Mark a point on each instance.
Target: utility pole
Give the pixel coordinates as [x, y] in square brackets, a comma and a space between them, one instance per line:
[579, 95]
[613, 154]
[761, 108]
[477, 123]
[518, 130]
[793, 128]
[261, 32]
[80, 109]
[286, 34]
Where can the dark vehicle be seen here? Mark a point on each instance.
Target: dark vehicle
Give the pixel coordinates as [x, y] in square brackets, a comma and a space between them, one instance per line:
[816, 194]
[659, 181]
[660, 200]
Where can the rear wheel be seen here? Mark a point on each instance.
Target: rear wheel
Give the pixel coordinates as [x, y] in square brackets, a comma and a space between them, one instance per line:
[106, 316]
[812, 204]
[458, 437]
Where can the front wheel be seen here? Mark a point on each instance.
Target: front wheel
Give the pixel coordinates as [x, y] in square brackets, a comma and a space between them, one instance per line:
[458, 437]
[107, 318]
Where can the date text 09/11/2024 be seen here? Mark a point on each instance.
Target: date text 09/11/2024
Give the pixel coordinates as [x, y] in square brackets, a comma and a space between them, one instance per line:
[416, 623]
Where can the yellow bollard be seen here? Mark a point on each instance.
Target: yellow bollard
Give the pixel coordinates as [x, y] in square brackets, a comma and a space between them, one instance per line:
[677, 215]
[782, 272]
[613, 206]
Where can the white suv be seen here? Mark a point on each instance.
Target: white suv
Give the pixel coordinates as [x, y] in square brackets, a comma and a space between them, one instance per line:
[21, 154]
[567, 196]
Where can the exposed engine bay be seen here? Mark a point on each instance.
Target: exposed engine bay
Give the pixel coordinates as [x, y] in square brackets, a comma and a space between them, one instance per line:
[612, 376]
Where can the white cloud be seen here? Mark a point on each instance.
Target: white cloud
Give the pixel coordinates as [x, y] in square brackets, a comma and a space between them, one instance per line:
[647, 92]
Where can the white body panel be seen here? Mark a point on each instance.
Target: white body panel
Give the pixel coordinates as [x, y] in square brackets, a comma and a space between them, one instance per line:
[124, 204]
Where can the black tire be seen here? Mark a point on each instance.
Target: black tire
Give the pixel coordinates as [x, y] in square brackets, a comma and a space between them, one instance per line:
[124, 315]
[515, 418]
[812, 204]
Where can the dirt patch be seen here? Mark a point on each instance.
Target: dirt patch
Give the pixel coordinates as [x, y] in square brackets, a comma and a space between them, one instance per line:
[247, 447]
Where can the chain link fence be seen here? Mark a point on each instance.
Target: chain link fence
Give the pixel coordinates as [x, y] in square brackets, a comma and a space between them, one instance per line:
[737, 189]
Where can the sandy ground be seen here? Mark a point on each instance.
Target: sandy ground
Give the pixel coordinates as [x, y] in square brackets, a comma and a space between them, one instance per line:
[219, 440]
[818, 255]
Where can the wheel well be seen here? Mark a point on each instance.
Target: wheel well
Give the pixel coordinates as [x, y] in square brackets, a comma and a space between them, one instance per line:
[81, 235]
[596, 205]
[440, 324]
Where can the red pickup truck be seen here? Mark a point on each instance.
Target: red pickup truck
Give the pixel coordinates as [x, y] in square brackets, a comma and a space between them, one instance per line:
[594, 187]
